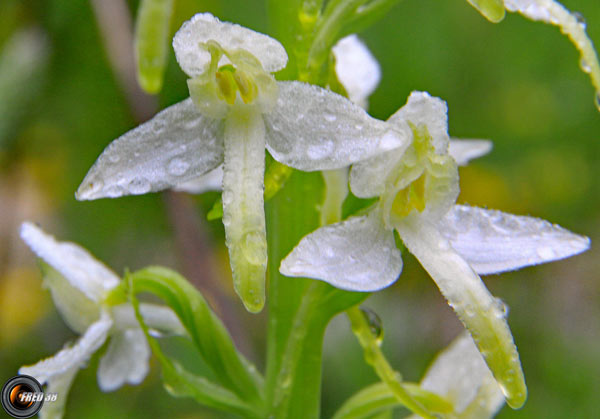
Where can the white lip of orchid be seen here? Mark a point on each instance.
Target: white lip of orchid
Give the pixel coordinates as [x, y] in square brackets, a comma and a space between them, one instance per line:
[417, 189]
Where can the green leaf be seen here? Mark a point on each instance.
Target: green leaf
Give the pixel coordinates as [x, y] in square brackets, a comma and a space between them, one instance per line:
[492, 10]
[152, 42]
[216, 211]
[205, 328]
[181, 383]
[379, 398]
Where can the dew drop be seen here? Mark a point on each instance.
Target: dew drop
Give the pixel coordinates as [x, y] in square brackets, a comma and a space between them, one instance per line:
[321, 150]
[546, 253]
[585, 67]
[330, 117]
[139, 186]
[255, 248]
[178, 167]
[114, 158]
[502, 308]
[375, 324]
[580, 19]
[113, 191]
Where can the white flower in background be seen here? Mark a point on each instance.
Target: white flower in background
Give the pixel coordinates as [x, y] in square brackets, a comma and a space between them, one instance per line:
[460, 375]
[79, 284]
[417, 188]
[236, 109]
[356, 69]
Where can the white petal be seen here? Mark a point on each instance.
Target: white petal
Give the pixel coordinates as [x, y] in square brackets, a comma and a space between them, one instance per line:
[493, 241]
[59, 384]
[72, 357]
[211, 181]
[554, 13]
[470, 299]
[356, 68]
[312, 128]
[204, 27]
[160, 318]
[463, 150]
[243, 204]
[423, 109]
[368, 178]
[177, 145]
[460, 374]
[125, 360]
[76, 264]
[358, 254]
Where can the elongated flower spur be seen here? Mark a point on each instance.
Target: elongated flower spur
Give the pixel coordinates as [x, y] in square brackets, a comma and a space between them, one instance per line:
[236, 109]
[79, 285]
[417, 188]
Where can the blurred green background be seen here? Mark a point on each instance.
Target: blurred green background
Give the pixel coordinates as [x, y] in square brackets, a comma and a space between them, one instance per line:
[517, 83]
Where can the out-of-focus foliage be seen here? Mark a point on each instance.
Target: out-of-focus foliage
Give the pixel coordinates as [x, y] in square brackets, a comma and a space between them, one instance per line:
[517, 82]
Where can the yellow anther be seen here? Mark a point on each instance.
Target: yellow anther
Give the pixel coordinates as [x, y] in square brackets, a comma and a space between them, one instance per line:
[409, 198]
[246, 86]
[227, 85]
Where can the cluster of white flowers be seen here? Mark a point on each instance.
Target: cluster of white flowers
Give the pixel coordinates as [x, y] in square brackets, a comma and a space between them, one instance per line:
[219, 135]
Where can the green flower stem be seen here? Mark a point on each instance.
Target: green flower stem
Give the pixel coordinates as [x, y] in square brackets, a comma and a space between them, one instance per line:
[375, 357]
[336, 191]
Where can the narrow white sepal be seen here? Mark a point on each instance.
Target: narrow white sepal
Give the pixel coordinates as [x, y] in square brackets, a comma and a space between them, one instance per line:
[470, 299]
[203, 27]
[74, 356]
[77, 265]
[125, 360]
[423, 109]
[460, 374]
[59, 384]
[211, 181]
[463, 150]
[493, 241]
[356, 69]
[357, 254]
[177, 145]
[312, 128]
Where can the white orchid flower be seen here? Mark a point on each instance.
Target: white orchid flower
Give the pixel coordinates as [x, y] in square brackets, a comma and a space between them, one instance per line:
[236, 109]
[79, 284]
[417, 188]
[460, 375]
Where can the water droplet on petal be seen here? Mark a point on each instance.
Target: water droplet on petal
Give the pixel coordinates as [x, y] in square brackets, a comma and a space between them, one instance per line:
[546, 253]
[375, 324]
[114, 158]
[502, 308]
[580, 19]
[139, 186]
[330, 117]
[178, 167]
[585, 67]
[321, 150]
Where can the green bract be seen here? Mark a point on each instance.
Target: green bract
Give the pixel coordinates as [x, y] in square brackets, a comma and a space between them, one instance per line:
[235, 111]
[417, 186]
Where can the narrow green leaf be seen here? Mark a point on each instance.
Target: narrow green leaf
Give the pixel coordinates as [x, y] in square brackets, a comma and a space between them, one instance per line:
[181, 383]
[216, 211]
[152, 42]
[206, 330]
